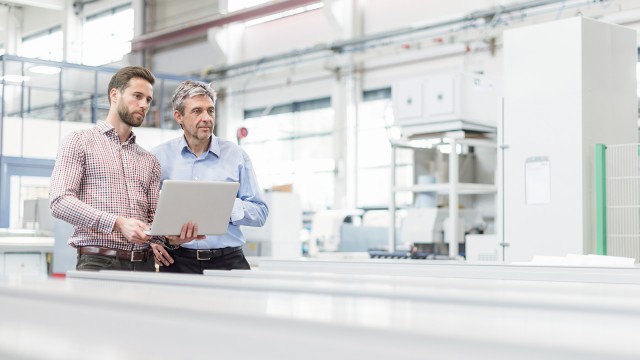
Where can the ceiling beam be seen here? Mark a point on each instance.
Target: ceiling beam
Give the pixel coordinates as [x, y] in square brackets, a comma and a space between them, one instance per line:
[174, 35]
[45, 4]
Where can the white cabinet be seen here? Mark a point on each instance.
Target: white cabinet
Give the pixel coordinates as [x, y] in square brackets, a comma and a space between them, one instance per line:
[439, 93]
[24, 263]
[25, 255]
[407, 100]
[563, 95]
[432, 103]
[280, 236]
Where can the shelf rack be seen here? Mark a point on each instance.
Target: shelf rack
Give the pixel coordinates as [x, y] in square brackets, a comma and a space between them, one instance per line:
[453, 188]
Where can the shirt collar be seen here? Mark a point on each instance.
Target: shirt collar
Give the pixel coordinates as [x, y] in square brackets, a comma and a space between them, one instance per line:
[214, 146]
[109, 130]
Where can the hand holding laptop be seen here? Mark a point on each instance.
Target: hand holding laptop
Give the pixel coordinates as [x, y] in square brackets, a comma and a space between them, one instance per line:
[188, 233]
[132, 229]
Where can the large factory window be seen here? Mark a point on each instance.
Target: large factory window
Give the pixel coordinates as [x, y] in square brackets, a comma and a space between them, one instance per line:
[293, 144]
[104, 43]
[375, 117]
[46, 45]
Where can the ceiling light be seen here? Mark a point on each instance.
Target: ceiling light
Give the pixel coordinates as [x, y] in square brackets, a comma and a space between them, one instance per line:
[286, 13]
[14, 78]
[47, 70]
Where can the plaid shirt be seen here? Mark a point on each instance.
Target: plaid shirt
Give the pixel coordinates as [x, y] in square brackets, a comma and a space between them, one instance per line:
[96, 179]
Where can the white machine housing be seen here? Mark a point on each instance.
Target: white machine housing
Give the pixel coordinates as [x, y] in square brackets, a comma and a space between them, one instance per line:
[445, 102]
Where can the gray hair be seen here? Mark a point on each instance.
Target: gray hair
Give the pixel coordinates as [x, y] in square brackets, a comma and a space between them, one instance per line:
[189, 89]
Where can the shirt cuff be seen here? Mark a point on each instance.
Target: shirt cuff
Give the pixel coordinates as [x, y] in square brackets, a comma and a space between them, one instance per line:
[237, 213]
[107, 222]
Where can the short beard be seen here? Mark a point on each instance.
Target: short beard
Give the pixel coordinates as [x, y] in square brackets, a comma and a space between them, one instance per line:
[128, 118]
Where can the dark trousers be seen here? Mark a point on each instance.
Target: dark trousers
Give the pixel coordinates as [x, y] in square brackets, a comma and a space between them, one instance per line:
[99, 262]
[182, 263]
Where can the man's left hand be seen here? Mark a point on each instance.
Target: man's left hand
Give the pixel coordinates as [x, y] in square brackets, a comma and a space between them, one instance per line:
[161, 255]
[189, 232]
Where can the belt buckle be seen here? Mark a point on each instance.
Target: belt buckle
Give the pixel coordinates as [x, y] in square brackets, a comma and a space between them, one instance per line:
[198, 254]
[133, 252]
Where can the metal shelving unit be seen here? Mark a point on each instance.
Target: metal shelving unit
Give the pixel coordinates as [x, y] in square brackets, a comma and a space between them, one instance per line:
[453, 188]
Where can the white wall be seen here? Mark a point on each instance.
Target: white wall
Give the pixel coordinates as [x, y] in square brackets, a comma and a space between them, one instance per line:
[191, 58]
[287, 34]
[385, 15]
[39, 19]
[170, 13]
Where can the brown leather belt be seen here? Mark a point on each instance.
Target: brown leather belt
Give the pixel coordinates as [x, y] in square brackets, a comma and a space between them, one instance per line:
[130, 255]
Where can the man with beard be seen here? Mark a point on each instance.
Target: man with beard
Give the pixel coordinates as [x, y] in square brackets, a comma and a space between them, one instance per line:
[107, 186]
[199, 155]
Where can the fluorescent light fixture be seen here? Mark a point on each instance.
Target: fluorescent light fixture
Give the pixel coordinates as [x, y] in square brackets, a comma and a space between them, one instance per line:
[42, 69]
[283, 14]
[14, 78]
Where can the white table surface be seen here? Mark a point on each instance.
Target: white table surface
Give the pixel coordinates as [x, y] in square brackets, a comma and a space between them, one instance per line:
[26, 243]
[244, 317]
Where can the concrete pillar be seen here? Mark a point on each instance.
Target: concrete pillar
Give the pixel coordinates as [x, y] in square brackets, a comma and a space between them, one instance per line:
[12, 23]
[72, 34]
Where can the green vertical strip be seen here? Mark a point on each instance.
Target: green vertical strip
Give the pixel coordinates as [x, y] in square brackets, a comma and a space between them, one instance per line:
[601, 199]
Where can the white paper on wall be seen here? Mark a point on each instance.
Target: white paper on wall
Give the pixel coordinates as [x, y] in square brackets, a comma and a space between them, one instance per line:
[537, 180]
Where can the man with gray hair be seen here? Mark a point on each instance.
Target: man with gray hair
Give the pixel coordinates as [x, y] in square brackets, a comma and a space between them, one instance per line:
[200, 155]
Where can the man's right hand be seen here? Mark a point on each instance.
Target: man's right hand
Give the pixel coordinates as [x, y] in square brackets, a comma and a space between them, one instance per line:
[188, 233]
[132, 230]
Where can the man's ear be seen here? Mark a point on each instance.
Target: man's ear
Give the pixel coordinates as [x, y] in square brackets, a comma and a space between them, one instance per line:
[178, 117]
[113, 94]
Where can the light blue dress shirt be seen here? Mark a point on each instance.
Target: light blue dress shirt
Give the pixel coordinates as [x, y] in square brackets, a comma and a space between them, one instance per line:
[224, 161]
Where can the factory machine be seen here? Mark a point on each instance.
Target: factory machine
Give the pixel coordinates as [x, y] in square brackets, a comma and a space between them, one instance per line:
[426, 230]
[422, 232]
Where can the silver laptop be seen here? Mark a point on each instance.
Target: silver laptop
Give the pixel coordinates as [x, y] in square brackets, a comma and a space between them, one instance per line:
[205, 203]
